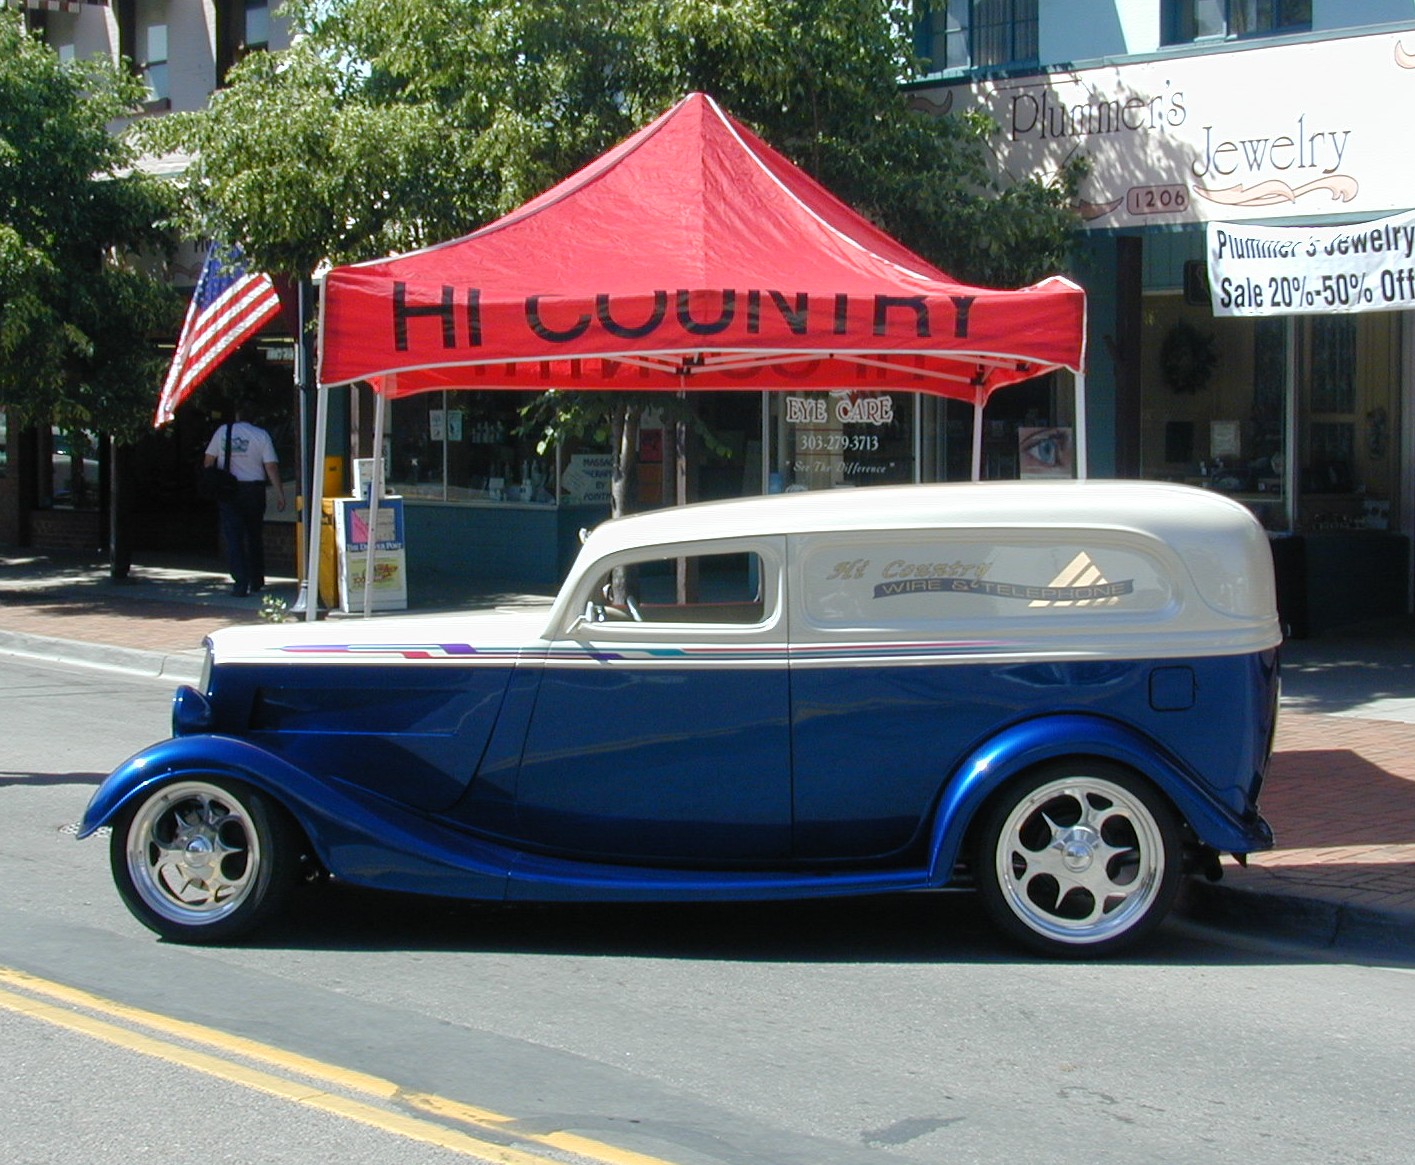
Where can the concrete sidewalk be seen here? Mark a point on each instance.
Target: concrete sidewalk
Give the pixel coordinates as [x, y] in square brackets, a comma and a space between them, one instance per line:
[1340, 792]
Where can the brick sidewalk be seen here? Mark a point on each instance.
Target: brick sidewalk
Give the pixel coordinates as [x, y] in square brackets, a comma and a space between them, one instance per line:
[1340, 796]
[144, 625]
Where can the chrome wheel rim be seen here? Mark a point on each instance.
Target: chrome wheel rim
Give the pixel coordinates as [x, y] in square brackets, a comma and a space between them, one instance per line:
[1080, 859]
[193, 853]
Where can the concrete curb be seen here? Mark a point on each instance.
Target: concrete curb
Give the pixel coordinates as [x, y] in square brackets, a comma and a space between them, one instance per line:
[183, 667]
[1305, 919]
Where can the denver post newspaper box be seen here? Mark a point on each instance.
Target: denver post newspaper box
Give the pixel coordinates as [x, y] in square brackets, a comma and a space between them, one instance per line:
[390, 566]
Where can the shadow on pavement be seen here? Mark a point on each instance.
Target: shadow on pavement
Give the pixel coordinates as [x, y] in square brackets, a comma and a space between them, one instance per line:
[1356, 667]
[938, 928]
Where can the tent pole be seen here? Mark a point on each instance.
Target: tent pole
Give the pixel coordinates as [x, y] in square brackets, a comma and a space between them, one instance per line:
[315, 515]
[304, 361]
[1081, 467]
[978, 436]
[380, 410]
[766, 446]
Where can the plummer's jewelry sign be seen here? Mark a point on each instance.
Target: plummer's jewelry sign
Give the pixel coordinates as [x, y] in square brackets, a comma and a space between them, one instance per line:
[1275, 271]
[1317, 130]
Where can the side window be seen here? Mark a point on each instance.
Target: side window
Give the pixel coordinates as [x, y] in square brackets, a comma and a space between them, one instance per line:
[691, 589]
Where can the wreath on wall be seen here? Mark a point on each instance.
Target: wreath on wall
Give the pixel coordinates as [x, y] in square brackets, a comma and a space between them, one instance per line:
[1187, 358]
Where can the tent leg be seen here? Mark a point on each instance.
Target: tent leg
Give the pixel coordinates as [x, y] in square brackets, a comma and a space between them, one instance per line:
[315, 515]
[380, 411]
[978, 438]
[304, 361]
[1081, 467]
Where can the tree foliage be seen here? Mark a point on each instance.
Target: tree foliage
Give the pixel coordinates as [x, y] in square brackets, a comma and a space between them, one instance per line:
[77, 311]
[391, 126]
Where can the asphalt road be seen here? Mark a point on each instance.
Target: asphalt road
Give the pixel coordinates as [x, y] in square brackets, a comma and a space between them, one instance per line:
[897, 1031]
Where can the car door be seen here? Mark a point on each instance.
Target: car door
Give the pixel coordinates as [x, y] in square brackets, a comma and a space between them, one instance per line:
[661, 731]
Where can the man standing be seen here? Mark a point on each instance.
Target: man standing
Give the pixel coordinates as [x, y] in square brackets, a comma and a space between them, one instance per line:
[253, 464]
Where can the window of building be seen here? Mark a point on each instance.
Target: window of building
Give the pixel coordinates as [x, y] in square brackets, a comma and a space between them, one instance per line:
[1330, 436]
[73, 463]
[1186, 21]
[242, 26]
[830, 440]
[464, 446]
[257, 25]
[152, 61]
[978, 34]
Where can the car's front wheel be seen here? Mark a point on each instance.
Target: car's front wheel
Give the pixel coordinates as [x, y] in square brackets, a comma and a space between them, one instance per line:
[1082, 858]
[204, 860]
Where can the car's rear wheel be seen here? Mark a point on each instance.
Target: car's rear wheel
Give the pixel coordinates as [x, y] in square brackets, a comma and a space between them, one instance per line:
[1082, 859]
[204, 860]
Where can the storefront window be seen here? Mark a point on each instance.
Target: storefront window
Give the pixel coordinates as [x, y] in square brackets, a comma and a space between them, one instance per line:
[1232, 429]
[830, 440]
[1213, 409]
[74, 469]
[1028, 432]
[463, 447]
[1348, 371]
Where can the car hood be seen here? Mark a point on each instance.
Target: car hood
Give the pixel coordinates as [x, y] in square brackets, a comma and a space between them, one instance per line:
[472, 635]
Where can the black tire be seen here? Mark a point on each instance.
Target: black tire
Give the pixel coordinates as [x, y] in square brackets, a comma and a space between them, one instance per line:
[204, 859]
[1078, 859]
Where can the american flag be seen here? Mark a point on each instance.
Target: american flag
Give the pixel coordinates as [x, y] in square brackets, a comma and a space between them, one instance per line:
[228, 307]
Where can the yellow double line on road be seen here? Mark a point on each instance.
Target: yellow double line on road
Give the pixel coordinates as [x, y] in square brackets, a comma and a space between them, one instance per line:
[114, 1023]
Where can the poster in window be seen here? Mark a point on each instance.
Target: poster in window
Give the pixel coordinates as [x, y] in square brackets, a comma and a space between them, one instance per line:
[1225, 439]
[1044, 452]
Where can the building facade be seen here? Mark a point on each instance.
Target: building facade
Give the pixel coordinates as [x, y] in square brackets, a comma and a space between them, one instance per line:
[1287, 386]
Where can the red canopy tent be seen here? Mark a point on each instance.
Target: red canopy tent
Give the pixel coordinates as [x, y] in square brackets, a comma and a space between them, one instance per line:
[690, 256]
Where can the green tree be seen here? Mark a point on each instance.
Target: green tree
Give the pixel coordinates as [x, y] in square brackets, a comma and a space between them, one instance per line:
[78, 309]
[390, 126]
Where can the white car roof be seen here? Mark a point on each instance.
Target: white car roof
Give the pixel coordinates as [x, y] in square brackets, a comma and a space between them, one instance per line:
[1169, 512]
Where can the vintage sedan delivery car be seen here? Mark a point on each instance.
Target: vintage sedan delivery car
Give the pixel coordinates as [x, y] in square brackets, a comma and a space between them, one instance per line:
[1063, 694]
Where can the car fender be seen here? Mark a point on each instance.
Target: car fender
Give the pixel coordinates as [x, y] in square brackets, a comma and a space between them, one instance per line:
[356, 835]
[1022, 746]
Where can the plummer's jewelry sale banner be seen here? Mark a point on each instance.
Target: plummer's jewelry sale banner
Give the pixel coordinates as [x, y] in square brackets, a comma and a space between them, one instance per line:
[1275, 271]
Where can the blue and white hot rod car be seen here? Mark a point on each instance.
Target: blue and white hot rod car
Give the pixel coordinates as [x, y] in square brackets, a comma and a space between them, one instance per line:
[1063, 694]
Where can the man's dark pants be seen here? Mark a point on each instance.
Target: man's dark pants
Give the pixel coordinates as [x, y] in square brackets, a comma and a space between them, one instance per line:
[242, 528]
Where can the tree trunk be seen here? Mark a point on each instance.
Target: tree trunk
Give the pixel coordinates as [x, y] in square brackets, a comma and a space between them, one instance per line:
[120, 544]
[624, 446]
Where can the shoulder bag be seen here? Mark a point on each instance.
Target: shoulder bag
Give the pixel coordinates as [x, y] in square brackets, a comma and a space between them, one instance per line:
[216, 483]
